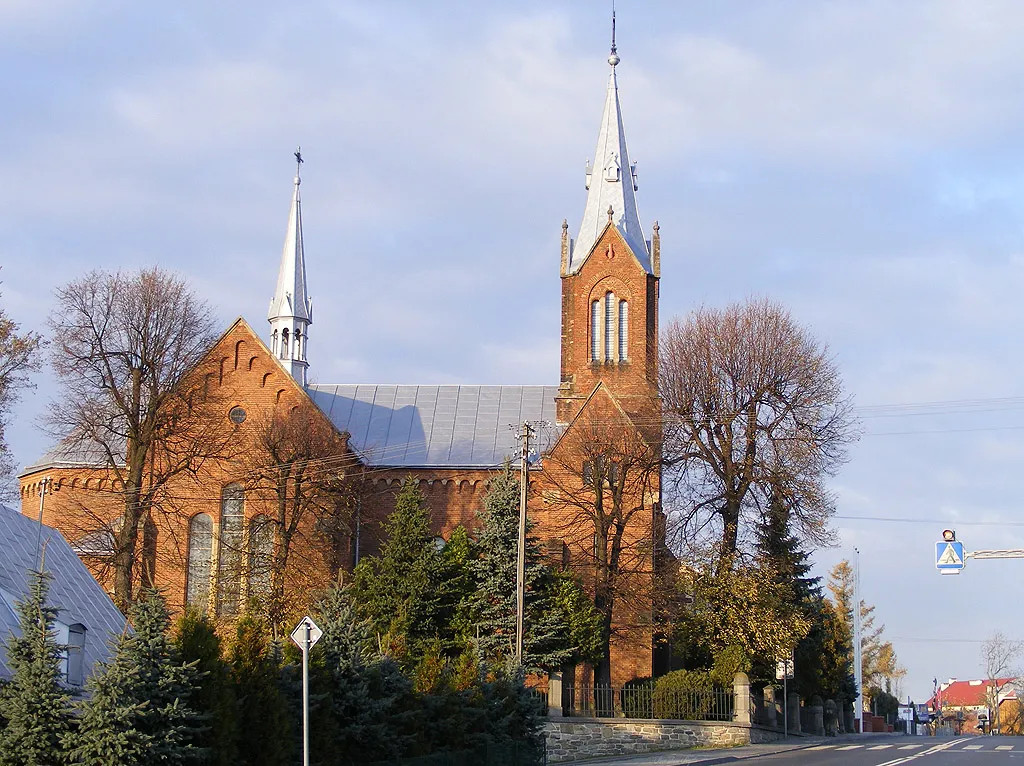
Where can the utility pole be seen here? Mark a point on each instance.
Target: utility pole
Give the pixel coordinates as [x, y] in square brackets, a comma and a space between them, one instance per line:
[43, 484]
[857, 659]
[521, 547]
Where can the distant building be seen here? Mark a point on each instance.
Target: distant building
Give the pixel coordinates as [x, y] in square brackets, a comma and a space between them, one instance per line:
[968, 703]
[87, 620]
[211, 550]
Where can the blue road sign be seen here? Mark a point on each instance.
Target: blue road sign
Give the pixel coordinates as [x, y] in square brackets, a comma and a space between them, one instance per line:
[949, 556]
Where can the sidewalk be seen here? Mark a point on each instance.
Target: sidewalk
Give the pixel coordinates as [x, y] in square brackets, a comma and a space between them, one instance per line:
[709, 756]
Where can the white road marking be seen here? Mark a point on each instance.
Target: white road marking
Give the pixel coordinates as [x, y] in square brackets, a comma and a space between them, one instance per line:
[821, 747]
[974, 747]
[915, 756]
[880, 747]
[909, 747]
[1004, 747]
[850, 747]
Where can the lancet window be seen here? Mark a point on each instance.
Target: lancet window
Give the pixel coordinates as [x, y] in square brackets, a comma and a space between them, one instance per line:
[609, 329]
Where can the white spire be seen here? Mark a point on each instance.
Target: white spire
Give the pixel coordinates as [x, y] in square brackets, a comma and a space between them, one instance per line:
[291, 310]
[611, 183]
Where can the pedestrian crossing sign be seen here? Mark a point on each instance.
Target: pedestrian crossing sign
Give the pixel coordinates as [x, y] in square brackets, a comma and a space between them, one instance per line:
[949, 556]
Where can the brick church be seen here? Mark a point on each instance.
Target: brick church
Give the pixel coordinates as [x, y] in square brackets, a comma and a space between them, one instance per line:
[594, 486]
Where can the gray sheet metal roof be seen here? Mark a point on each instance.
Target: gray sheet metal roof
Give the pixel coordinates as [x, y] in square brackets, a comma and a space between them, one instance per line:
[73, 590]
[434, 426]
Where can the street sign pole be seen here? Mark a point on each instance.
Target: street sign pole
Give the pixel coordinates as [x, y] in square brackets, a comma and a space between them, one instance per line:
[305, 636]
[785, 707]
[305, 697]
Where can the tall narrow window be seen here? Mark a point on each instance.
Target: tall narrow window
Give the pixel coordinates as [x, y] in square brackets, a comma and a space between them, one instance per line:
[200, 557]
[76, 655]
[284, 343]
[298, 345]
[623, 330]
[229, 566]
[273, 342]
[261, 551]
[609, 326]
[595, 331]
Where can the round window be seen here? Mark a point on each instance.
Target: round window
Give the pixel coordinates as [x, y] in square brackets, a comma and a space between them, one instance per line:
[237, 415]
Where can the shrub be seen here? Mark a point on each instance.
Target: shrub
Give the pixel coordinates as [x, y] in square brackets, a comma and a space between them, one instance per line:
[686, 695]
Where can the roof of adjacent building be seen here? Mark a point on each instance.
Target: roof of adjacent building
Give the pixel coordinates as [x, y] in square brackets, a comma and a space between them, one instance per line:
[974, 693]
[434, 426]
[73, 591]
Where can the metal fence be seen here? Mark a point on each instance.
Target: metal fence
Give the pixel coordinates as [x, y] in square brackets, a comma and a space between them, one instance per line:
[644, 701]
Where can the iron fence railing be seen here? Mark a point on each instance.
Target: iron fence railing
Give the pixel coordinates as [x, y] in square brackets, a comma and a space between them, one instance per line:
[600, 701]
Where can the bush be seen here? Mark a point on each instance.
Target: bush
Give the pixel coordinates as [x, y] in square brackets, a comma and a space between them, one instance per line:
[637, 697]
[686, 695]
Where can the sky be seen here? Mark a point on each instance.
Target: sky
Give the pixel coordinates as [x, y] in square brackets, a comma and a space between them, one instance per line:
[859, 161]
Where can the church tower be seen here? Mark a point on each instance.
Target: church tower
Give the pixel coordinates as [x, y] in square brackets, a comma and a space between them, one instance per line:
[291, 310]
[610, 279]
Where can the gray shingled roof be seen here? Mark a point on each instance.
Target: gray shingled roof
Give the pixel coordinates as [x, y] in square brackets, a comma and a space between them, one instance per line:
[73, 590]
[434, 426]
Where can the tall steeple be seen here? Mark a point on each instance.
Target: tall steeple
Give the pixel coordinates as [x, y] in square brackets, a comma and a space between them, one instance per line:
[291, 310]
[611, 183]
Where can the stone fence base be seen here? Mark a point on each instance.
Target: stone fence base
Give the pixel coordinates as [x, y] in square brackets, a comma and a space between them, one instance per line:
[572, 739]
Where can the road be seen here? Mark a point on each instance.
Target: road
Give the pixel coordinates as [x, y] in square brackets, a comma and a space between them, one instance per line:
[918, 751]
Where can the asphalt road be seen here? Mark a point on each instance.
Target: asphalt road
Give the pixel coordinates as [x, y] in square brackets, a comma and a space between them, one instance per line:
[918, 751]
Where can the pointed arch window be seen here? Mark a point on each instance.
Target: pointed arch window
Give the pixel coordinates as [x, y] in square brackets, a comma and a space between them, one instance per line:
[229, 564]
[623, 330]
[284, 343]
[200, 559]
[609, 329]
[261, 551]
[609, 326]
[273, 343]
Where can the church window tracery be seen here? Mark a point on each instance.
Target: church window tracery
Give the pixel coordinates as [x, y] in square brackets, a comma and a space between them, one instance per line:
[609, 329]
[229, 564]
[200, 558]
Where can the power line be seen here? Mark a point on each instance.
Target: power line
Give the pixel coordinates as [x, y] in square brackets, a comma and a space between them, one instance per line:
[957, 522]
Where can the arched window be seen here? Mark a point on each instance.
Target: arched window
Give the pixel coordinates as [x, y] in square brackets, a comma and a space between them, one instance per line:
[273, 342]
[609, 326]
[200, 558]
[261, 552]
[229, 565]
[298, 345]
[595, 331]
[284, 343]
[623, 330]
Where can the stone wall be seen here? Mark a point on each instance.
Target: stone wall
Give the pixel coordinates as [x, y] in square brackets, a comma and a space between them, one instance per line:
[573, 739]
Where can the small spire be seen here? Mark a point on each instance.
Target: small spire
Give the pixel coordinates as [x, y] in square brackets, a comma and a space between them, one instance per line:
[611, 213]
[613, 57]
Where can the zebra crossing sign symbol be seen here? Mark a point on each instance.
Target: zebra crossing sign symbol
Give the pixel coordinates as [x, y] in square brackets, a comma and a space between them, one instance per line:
[949, 556]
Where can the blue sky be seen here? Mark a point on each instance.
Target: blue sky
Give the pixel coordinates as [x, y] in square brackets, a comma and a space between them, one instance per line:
[859, 161]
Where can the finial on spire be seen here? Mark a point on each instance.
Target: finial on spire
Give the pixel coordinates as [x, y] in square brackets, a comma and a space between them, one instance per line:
[613, 58]
[611, 213]
[298, 164]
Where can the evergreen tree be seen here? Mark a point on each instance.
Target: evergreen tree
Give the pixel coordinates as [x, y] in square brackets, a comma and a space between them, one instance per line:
[559, 622]
[396, 590]
[263, 730]
[363, 709]
[214, 697]
[140, 706]
[34, 706]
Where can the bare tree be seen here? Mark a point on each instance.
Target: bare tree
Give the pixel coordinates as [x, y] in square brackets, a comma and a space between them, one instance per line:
[302, 464]
[999, 656]
[18, 357]
[134, 404]
[602, 478]
[755, 410]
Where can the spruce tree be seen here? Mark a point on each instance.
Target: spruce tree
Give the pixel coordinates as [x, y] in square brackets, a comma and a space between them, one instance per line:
[140, 709]
[263, 730]
[34, 706]
[197, 643]
[363, 709]
[549, 639]
[396, 589]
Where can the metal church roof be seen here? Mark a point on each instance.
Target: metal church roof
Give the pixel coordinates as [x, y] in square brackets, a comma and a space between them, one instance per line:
[434, 426]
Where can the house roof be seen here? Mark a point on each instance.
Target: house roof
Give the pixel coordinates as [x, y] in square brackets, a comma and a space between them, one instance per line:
[73, 591]
[434, 426]
[966, 693]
